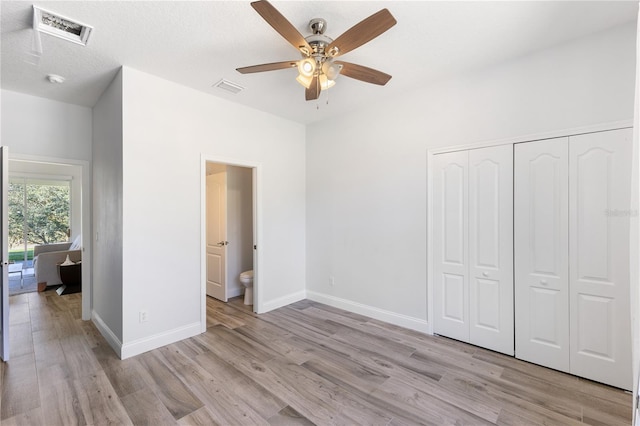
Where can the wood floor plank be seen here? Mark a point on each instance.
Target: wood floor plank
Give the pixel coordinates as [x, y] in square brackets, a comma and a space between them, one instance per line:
[297, 322]
[50, 360]
[417, 403]
[559, 393]
[34, 417]
[99, 402]
[350, 405]
[90, 333]
[145, 408]
[61, 403]
[568, 382]
[21, 340]
[262, 400]
[520, 401]
[350, 375]
[593, 415]
[324, 315]
[80, 360]
[371, 342]
[213, 391]
[470, 365]
[289, 417]
[270, 339]
[19, 314]
[316, 409]
[509, 418]
[306, 363]
[224, 319]
[201, 417]
[173, 392]
[389, 363]
[256, 350]
[126, 376]
[20, 390]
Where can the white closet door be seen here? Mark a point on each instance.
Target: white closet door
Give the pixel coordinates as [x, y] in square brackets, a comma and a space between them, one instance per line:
[491, 248]
[541, 252]
[600, 177]
[450, 235]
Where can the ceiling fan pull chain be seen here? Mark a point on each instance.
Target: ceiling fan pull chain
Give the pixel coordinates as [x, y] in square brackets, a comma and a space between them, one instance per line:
[327, 96]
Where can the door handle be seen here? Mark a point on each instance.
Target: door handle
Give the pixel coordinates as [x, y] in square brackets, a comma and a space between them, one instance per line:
[485, 274]
[543, 282]
[222, 243]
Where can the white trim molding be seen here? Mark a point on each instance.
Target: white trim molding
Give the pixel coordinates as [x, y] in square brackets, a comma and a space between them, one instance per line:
[283, 301]
[258, 305]
[417, 324]
[107, 333]
[602, 127]
[86, 220]
[148, 343]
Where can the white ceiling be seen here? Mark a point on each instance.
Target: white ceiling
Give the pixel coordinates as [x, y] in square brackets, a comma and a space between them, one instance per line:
[198, 43]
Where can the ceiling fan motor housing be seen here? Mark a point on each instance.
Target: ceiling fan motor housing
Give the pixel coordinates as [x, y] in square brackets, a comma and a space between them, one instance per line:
[318, 43]
[318, 25]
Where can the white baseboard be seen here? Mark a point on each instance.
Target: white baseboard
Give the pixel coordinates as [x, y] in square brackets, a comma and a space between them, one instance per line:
[146, 344]
[235, 292]
[283, 301]
[405, 321]
[106, 332]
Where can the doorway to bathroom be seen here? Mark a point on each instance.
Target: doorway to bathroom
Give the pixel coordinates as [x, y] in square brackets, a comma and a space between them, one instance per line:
[229, 232]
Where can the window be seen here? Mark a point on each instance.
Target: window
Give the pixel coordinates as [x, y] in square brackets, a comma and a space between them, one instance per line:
[39, 213]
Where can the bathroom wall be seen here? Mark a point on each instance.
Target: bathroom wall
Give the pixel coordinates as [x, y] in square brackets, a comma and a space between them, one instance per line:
[239, 226]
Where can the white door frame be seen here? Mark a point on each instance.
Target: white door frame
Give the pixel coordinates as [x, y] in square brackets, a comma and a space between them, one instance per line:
[257, 229]
[4, 255]
[86, 221]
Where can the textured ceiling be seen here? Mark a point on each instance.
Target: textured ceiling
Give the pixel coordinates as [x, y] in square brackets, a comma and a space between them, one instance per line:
[198, 43]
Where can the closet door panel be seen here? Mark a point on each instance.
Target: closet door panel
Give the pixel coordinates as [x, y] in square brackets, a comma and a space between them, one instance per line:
[600, 176]
[541, 253]
[450, 240]
[491, 248]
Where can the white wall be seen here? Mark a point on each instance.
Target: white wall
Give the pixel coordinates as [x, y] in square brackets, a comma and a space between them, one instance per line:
[42, 127]
[167, 128]
[38, 129]
[366, 185]
[107, 214]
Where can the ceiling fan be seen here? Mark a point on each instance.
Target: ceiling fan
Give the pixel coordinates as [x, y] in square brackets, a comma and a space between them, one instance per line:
[317, 70]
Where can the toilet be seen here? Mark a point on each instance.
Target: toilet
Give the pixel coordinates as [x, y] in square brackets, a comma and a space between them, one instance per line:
[246, 278]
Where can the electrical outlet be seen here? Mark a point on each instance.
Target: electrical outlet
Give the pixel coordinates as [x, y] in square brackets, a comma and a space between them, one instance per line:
[144, 316]
[332, 281]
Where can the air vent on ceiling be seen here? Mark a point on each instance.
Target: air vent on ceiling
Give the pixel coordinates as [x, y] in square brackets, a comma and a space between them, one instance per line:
[229, 86]
[59, 26]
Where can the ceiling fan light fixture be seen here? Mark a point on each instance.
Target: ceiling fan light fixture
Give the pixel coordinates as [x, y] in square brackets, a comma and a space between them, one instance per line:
[307, 67]
[305, 80]
[325, 82]
[331, 69]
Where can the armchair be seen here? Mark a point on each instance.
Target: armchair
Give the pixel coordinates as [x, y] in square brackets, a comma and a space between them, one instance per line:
[46, 259]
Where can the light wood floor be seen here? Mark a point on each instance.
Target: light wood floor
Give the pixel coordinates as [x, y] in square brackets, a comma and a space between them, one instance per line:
[303, 364]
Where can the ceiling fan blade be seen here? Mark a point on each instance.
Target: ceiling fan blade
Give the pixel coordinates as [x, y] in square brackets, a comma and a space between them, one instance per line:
[359, 72]
[362, 32]
[281, 25]
[274, 66]
[313, 92]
